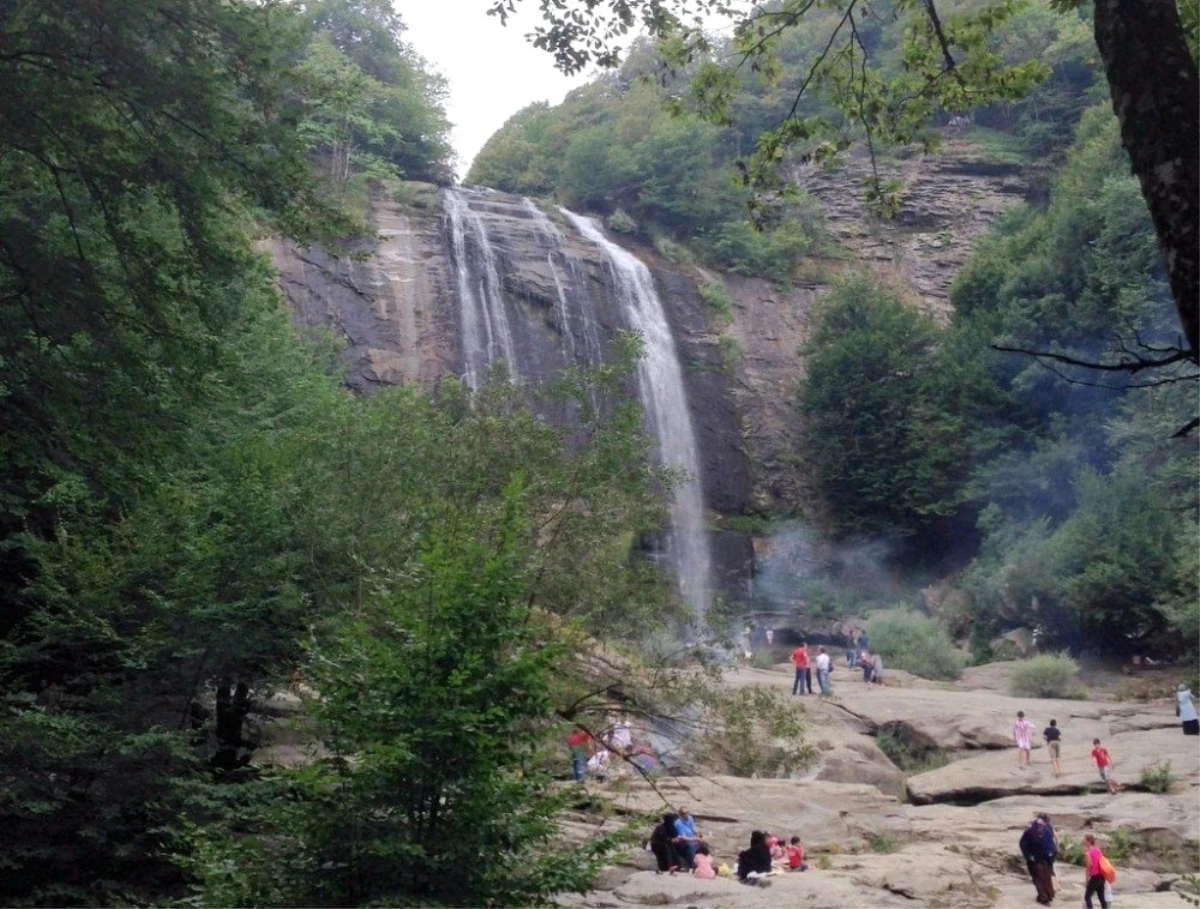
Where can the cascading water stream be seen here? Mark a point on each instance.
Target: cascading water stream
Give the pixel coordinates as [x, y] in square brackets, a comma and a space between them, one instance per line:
[577, 300]
[660, 387]
[485, 330]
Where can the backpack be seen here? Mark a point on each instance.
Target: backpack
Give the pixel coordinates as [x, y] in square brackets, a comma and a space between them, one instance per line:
[1107, 871]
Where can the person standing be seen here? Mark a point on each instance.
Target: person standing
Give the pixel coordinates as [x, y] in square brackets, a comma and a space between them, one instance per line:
[803, 672]
[1022, 735]
[1033, 850]
[851, 656]
[877, 668]
[1104, 763]
[1050, 843]
[1053, 737]
[580, 744]
[1094, 873]
[1185, 709]
[823, 670]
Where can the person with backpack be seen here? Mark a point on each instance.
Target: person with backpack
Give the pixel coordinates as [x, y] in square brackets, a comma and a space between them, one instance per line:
[1038, 860]
[1099, 872]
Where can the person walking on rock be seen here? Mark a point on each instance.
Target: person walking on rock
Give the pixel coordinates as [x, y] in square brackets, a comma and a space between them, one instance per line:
[823, 663]
[1104, 763]
[580, 744]
[803, 672]
[1053, 736]
[1050, 842]
[1037, 860]
[1022, 736]
[1095, 872]
[1185, 709]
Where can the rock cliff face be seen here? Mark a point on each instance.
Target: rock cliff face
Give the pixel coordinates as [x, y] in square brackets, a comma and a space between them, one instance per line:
[458, 279]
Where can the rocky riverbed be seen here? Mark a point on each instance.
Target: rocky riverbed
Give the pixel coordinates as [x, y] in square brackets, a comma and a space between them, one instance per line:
[876, 836]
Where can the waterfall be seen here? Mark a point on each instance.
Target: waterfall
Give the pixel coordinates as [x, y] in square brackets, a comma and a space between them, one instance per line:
[486, 336]
[578, 301]
[660, 387]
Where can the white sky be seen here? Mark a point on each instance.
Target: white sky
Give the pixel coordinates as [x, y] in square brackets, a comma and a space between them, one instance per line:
[492, 70]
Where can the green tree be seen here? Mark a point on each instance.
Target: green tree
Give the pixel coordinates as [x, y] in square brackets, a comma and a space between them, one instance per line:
[890, 408]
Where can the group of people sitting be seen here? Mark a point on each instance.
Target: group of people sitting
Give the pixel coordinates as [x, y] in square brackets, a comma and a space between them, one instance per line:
[678, 846]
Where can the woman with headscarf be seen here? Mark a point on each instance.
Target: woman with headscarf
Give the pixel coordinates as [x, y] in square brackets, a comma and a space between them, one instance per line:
[755, 861]
[1185, 709]
[662, 844]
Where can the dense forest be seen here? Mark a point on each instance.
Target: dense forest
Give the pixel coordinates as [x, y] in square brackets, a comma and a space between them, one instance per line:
[192, 503]
[194, 509]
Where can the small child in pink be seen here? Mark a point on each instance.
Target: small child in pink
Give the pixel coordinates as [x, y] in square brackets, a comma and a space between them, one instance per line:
[704, 864]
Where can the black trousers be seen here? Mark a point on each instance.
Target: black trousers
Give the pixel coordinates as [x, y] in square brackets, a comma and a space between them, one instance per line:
[1095, 885]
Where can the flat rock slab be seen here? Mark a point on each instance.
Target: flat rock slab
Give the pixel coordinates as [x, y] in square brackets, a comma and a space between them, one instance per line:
[995, 774]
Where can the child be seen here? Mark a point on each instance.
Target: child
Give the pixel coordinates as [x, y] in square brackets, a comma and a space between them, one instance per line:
[1053, 737]
[778, 855]
[704, 863]
[1104, 764]
[795, 855]
[1022, 733]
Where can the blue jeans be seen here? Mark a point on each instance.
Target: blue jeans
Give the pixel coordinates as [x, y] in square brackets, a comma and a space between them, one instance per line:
[803, 678]
[578, 767]
[823, 680]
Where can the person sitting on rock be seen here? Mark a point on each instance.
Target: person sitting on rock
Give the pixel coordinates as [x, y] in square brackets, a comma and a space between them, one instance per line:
[704, 864]
[795, 855]
[662, 844]
[687, 838]
[755, 861]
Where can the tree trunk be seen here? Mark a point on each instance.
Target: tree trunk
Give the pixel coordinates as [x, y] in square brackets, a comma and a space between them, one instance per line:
[1156, 96]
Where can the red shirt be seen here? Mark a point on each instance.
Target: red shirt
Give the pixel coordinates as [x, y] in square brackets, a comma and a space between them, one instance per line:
[800, 657]
[795, 856]
[579, 739]
[1100, 754]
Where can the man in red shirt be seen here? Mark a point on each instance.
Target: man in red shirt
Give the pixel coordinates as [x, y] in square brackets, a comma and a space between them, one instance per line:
[803, 672]
[1104, 762]
[580, 743]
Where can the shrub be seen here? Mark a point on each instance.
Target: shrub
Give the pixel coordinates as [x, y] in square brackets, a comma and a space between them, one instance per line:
[717, 298]
[673, 251]
[731, 352]
[1070, 850]
[1158, 777]
[620, 222]
[1048, 675]
[908, 757]
[916, 643]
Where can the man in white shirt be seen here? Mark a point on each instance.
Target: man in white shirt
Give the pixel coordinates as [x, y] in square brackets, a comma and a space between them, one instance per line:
[823, 670]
